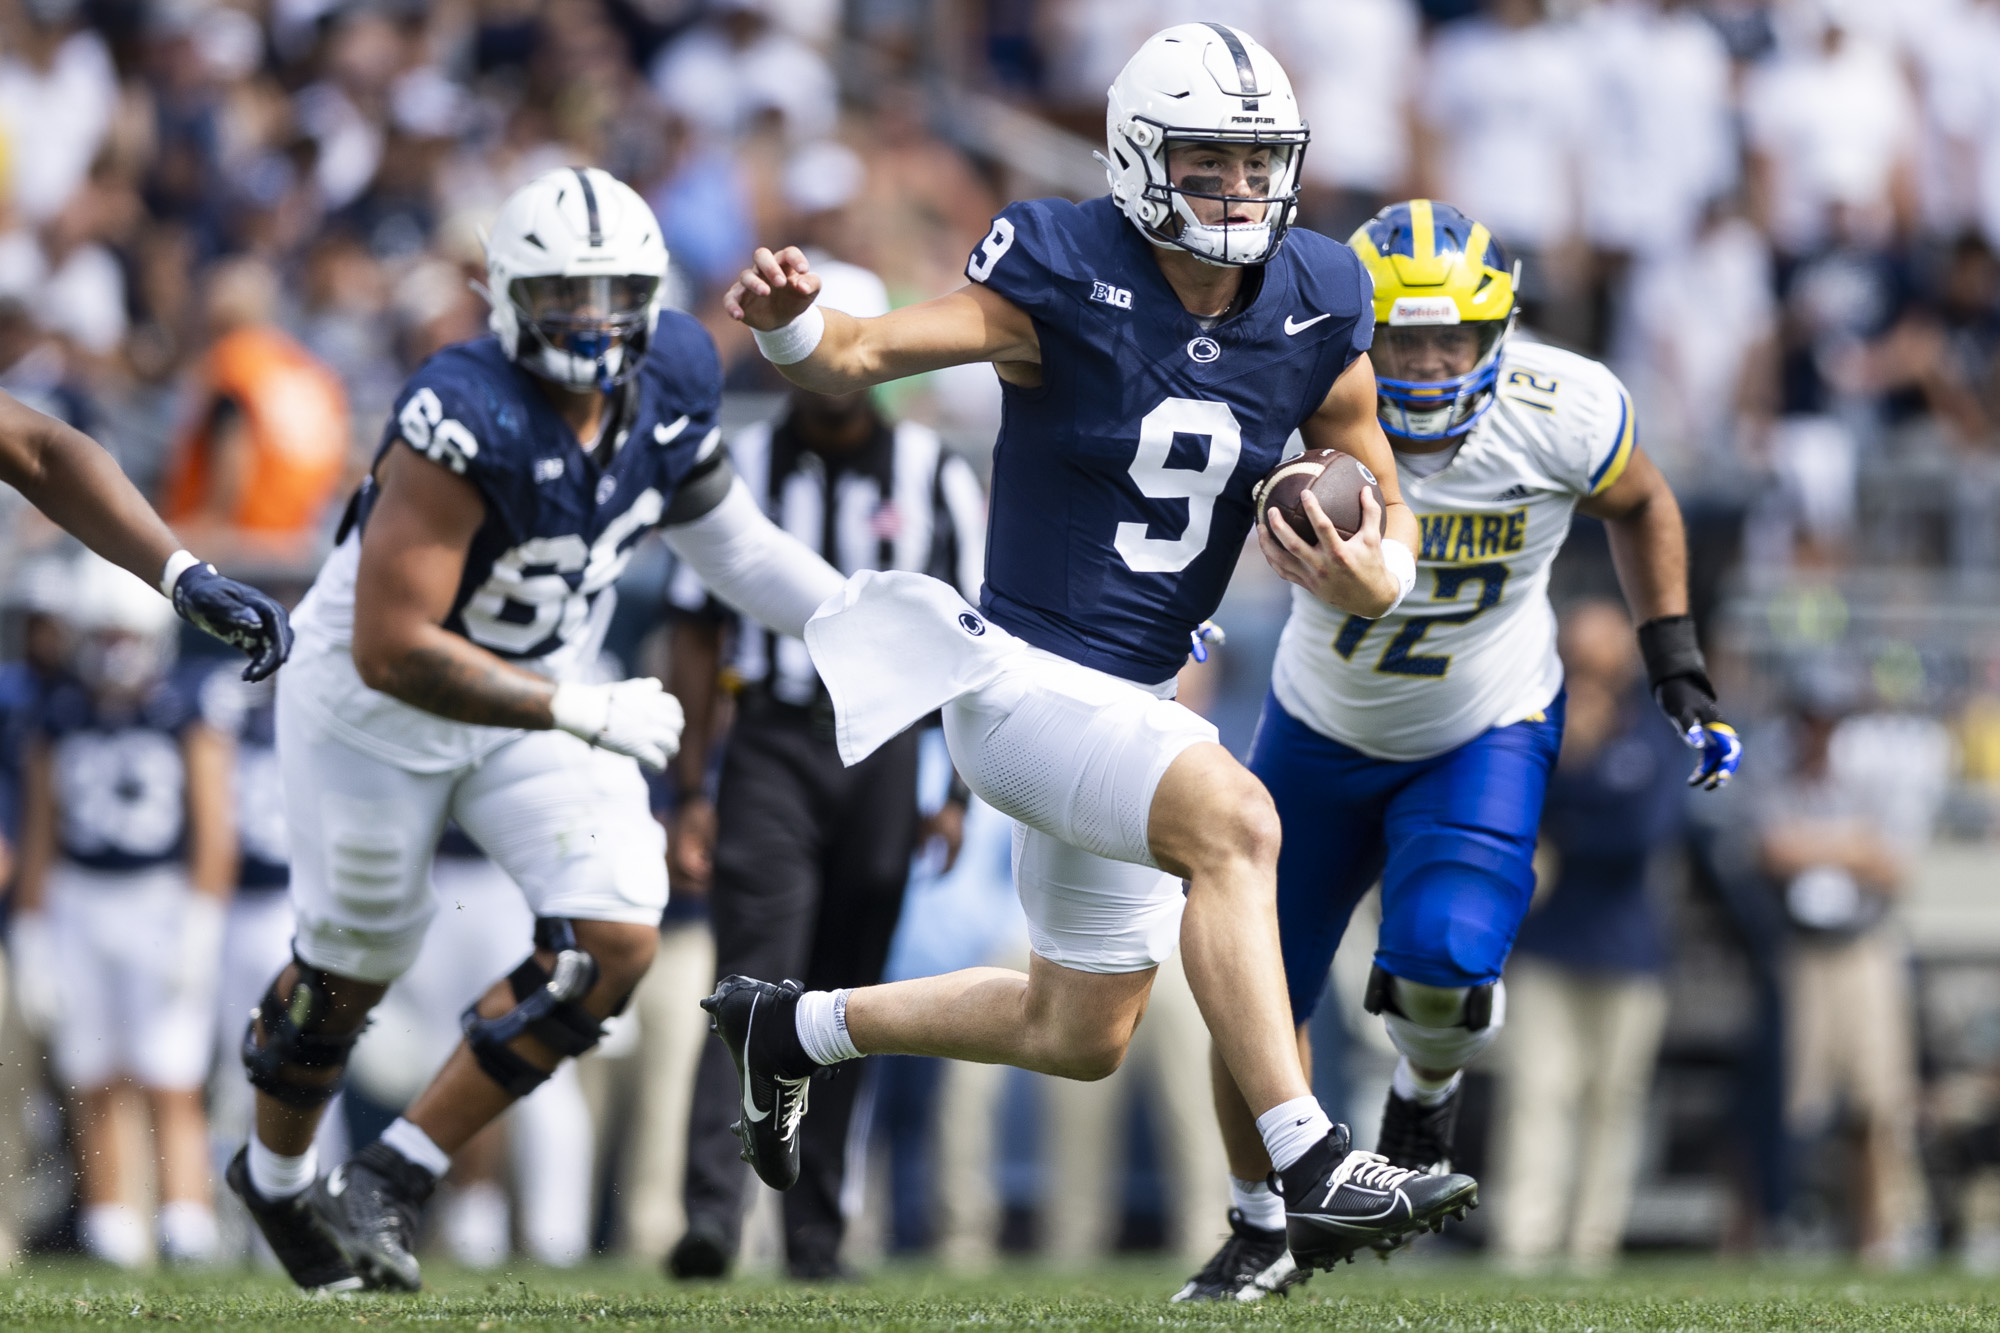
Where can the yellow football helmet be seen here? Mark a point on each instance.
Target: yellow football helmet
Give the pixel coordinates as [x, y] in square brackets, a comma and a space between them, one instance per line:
[1435, 269]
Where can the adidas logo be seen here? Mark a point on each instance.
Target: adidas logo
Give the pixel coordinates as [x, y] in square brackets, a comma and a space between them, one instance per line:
[1515, 492]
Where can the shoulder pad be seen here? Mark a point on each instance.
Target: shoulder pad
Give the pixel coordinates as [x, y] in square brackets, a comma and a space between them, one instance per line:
[1593, 426]
[443, 410]
[1031, 244]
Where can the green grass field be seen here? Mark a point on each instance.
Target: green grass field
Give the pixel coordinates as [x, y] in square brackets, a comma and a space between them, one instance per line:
[1409, 1294]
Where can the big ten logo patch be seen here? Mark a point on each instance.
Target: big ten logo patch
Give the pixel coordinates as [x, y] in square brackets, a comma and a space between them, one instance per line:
[1120, 297]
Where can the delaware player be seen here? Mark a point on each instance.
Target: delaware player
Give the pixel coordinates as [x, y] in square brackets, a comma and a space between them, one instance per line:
[1158, 347]
[1416, 747]
[446, 668]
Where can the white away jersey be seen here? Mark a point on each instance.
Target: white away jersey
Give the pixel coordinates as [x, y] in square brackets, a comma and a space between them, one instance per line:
[1473, 646]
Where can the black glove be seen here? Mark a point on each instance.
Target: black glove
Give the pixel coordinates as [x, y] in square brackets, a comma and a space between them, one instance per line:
[1679, 676]
[237, 614]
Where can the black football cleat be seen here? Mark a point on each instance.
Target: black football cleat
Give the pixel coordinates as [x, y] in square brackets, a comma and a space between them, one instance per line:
[1338, 1201]
[310, 1259]
[755, 1019]
[369, 1207]
[1418, 1137]
[1252, 1264]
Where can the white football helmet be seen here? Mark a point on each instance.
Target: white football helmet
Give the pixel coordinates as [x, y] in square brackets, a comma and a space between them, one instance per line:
[1203, 83]
[574, 270]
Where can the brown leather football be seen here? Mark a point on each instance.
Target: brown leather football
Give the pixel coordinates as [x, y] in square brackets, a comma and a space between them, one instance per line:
[1335, 479]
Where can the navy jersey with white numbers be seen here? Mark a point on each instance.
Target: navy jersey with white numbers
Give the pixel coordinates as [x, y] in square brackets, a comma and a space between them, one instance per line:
[559, 527]
[1121, 486]
[120, 777]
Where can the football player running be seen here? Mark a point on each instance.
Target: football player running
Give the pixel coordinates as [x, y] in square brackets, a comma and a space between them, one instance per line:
[1415, 748]
[1157, 348]
[447, 667]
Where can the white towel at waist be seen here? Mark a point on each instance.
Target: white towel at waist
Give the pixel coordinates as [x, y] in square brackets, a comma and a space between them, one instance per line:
[894, 647]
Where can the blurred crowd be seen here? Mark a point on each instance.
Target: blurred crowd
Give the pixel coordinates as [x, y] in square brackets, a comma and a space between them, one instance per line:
[229, 230]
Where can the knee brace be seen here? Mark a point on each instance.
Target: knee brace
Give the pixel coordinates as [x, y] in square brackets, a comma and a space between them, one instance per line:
[1437, 1027]
[293, 1039]
[548, 1006]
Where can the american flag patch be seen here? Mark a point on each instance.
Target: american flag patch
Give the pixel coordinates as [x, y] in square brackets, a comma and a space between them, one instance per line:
[887, 522]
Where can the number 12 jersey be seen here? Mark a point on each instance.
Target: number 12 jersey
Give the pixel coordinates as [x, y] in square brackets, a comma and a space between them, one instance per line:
[1121, 486]
[1473, 647]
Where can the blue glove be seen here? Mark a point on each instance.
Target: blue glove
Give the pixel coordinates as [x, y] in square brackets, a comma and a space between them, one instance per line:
[235, 613]
[1691, 705]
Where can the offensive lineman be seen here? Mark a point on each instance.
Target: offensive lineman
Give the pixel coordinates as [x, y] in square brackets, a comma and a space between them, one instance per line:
[1417, 747]
[1157, 348]
[446, 667]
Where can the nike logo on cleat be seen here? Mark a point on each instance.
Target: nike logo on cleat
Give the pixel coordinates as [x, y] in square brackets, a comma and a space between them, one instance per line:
[1293, 326]
[750, 1111]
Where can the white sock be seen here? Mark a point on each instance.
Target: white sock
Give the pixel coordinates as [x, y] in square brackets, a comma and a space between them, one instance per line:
[187, 1232]
[1260, 1206]
[1411, 1086]
[276, 1176]
[821, 1019]
[416, 1145]
[116, 1234]
[1290, 1128]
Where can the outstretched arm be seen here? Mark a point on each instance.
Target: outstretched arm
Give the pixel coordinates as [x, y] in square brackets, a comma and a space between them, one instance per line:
[68, 476]
[1355, 574]
[838, 353]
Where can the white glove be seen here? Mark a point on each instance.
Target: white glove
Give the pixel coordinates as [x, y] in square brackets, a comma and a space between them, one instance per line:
[31, 949]
[630, 717]
[197, 959]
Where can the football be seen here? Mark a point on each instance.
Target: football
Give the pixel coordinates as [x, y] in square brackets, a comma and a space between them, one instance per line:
[1336, 481]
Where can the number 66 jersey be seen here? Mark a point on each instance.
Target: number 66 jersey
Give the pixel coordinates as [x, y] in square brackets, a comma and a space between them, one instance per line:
[560, 527]
[1121, 486]
[1473, 646]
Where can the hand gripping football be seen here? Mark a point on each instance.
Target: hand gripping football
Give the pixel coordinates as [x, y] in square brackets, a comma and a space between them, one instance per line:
[1336, 481]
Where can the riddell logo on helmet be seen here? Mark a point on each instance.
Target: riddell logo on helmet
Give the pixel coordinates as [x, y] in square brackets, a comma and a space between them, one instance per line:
[1424, 310]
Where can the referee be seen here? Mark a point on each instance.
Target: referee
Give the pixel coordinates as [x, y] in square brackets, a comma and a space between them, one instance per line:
[809, 858]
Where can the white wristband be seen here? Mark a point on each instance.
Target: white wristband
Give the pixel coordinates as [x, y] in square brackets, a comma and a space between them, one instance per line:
[179, 563]
[795, 341]
[1403, 565]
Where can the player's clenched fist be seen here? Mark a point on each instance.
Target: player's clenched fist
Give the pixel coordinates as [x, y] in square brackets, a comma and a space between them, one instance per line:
[775, 290]
[629, 717]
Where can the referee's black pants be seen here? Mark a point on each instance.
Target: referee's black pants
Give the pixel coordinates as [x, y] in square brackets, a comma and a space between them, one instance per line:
[810, 863]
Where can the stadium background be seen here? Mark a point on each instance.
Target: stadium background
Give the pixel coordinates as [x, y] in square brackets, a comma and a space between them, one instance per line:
[1776, 221]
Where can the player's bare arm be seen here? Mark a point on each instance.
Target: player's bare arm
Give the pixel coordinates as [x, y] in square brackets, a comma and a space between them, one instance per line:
[1349, 574]
[213, 851]
[970, 324]
[412, 559]
[69, 477]
[1642, 521]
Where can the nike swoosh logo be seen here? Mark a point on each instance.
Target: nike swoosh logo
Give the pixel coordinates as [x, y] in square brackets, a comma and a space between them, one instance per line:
[667, 433]
[1293, 326]
[750, 1111]
[336, 1184]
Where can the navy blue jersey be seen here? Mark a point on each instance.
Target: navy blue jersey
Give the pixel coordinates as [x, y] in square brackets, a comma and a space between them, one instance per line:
[1121, 486]
[247, 712]
[559, 528]
[120, 778]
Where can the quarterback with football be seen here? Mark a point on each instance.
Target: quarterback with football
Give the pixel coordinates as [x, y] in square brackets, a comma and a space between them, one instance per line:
[1157, 348]
[1415, 748]
[448, 667]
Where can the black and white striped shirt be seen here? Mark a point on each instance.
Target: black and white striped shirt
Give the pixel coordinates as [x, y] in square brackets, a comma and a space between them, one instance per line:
[899, 501]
